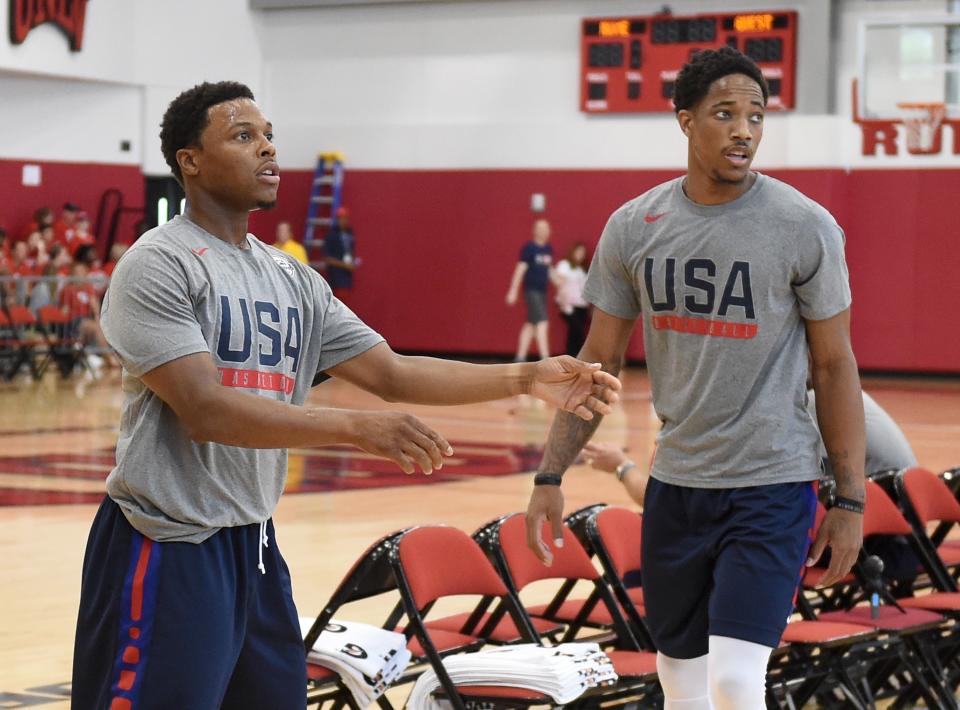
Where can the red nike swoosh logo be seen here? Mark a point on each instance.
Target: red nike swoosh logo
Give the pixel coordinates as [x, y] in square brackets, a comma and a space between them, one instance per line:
[201, 251]
[654, 217]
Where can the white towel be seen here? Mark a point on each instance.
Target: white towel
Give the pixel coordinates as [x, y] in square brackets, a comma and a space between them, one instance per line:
[563, 672]
[367, 658]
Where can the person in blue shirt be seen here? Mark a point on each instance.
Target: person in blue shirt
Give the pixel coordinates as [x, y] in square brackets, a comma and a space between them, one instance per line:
[338, 249]
[534, 270]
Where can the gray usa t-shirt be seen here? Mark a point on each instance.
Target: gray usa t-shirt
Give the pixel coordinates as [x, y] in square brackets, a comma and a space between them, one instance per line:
[270, 324]
[724, 290]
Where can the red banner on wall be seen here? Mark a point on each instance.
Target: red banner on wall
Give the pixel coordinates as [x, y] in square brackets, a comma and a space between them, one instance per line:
[68, 15]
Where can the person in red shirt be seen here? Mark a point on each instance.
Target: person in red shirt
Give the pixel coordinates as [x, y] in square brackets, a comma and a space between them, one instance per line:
[79, 301]
[42, 217]
[60, 259]
[116, 251]
[4, 251]
[81, 235]
[65, 228]
[97, 276]
[20, 265]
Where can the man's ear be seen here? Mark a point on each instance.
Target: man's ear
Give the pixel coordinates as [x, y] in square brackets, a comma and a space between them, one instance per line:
[685, 119]
[187, 160]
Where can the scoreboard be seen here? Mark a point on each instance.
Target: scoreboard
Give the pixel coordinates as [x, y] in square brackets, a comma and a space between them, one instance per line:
[630, 64]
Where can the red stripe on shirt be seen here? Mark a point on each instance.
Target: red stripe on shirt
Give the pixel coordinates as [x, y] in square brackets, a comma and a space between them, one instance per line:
[256, 380]
[705, 326]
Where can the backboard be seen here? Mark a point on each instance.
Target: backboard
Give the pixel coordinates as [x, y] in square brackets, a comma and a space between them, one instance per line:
[908, 60]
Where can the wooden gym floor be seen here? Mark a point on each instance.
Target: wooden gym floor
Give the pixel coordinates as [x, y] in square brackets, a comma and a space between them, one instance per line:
[56, 444]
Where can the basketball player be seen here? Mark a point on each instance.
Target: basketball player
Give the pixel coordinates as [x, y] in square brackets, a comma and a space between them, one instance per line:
[734, 273]
[186, 601]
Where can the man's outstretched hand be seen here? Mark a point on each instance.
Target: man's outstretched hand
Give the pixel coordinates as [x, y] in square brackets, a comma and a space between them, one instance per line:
[581, 388]
[399, 437]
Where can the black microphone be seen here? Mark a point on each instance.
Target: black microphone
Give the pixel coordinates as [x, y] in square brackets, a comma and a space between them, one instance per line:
[873, 573]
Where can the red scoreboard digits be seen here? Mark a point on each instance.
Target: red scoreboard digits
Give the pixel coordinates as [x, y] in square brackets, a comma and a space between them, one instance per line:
[629, 64]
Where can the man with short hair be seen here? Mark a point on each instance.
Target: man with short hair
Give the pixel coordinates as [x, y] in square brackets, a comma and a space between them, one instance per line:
[185, 600]
[339, 254]
[734, 274]
[64, 228]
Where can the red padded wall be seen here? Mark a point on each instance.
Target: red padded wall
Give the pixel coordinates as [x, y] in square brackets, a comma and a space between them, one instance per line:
[439, 247]
[81, 183]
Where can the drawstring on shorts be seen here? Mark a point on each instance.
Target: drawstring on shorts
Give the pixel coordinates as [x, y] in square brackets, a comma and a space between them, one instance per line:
[264, 542]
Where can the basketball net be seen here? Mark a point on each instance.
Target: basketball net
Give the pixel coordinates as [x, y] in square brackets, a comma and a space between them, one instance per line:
[922, 121]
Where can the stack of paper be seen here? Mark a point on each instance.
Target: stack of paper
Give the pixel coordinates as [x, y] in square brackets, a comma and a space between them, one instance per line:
[367, 658]
[563, 672]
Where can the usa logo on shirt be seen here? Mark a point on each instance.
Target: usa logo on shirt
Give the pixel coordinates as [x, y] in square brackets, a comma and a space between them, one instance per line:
[284, 263]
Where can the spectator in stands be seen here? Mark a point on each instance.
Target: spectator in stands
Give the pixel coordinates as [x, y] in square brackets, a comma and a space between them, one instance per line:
[61, 260]
[116, 251]
[21, 262]
[22, 266]
[79, 301]
[339, 255]
[44, 291]
[81, 236]
[38, 248]
[65, 228]
[5, 264]
[286, 243]
[535, 271]
[571, 275]
[98, 277]
[4, 249]
[42, 217]
[54, 270]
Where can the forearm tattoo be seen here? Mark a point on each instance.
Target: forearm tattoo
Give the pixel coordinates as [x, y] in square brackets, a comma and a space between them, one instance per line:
[568, 434]
[849, 482]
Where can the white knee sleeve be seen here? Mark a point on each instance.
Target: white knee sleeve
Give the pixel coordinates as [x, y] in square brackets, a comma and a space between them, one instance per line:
[737, 673]
[684, 682]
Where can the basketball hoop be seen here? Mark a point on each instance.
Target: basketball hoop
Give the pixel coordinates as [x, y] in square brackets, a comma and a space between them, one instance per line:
[922, 121]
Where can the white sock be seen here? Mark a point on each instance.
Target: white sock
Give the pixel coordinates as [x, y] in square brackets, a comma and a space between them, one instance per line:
[737, 673]
[684, 683]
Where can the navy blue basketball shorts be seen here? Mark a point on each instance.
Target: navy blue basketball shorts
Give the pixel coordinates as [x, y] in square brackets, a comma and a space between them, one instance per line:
[723, 562]
[186, 626]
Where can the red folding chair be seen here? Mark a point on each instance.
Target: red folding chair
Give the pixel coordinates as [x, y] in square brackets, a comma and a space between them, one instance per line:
[926, 501]
[64, 346]
[505, 542]
[435, 562]
[917, 668]
[8, 345]
[370, 576]
[25, 341]
[613, 535]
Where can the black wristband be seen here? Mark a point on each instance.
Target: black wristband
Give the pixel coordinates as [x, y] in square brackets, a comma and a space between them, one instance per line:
[850, 504]
[547, 479]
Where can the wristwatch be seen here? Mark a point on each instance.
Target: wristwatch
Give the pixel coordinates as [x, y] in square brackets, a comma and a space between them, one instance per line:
[623, 468]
